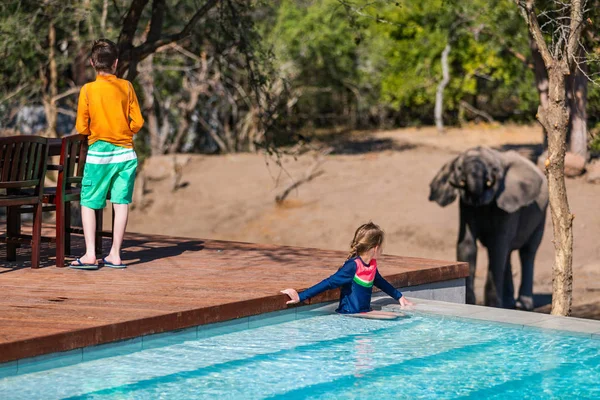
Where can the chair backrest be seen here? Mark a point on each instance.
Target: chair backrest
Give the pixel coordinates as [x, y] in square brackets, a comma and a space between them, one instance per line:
[73, 154]
[23, 162]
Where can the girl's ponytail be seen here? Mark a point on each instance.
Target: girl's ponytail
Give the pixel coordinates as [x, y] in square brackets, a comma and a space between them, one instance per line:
[366, 237]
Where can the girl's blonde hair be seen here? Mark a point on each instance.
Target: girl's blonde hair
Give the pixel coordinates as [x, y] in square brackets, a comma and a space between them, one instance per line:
[366, 237]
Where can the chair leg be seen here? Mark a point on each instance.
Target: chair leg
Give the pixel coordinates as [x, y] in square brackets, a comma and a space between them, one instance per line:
[67, 230]
[36, 242]
[60, 233]
[99, 224]
[13, 229]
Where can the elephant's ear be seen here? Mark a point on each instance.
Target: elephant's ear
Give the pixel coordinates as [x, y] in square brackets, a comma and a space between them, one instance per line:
[522, 182]
[440, 189]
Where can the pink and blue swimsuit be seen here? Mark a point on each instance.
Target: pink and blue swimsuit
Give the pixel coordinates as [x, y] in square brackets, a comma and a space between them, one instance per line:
[356, 280]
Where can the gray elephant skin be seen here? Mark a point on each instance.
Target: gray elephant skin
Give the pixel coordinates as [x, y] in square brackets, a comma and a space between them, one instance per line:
[503, 202]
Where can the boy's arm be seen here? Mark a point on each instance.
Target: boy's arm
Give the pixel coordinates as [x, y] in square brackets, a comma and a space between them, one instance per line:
[82, 123]
[342, 276]
[386, 287]
[135, 114]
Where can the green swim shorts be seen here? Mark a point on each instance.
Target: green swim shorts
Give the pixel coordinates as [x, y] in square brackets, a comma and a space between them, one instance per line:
[108, 169]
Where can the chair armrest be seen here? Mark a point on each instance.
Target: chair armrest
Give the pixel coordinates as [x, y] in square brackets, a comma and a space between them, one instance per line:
[52, 167]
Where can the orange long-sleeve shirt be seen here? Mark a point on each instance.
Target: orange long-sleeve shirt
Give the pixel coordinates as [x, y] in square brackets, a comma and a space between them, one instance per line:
[108, 110]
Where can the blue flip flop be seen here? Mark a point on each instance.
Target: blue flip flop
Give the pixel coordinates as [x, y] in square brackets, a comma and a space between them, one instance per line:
[81, 265]
[111, 265]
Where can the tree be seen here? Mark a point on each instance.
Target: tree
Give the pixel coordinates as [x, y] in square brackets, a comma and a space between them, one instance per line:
[400, 54]
[561, 60]
[36, 61]
[215, 90]
[130, 54]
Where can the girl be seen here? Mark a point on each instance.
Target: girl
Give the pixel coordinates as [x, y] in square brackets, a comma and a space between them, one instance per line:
[357, 277]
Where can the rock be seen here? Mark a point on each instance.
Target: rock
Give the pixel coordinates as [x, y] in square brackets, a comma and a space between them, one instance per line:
[574, 165]
[593, 172]
[542, 160]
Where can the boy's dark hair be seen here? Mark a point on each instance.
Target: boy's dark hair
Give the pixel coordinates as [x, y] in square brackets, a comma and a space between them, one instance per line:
[104, 54]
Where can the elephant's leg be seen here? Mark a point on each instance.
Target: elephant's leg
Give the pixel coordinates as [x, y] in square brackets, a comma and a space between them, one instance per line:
[466, 250]
[489, 292]
[498, 254]
[508, 293]
[527, 256]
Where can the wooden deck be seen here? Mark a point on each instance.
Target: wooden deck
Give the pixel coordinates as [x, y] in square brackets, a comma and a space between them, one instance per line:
[171, 283]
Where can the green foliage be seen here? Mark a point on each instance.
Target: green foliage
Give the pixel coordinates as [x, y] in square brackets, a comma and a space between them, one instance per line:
[395, 62]
[279, 65]
[594, 144]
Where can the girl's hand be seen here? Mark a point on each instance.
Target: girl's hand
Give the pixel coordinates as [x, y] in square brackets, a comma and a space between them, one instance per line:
[293, 296]
[404, 302]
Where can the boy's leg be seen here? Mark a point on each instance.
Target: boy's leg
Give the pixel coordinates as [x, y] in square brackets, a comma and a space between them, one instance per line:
[121, 214]
[88, 219]
[121, 193]
[94, 188]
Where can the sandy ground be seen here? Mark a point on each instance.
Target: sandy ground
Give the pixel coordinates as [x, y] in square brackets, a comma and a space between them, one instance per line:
[383, 177]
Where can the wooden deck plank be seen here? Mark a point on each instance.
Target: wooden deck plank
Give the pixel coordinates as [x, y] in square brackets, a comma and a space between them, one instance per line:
[170, 283]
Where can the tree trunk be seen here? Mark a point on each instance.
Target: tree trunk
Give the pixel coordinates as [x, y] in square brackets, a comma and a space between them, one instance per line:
[79, 66]
[147, 84]
[577, 95]
[103, 17]
[555, 119]
[184, 122]
[541, 79]
[49, 97]
[439, 94]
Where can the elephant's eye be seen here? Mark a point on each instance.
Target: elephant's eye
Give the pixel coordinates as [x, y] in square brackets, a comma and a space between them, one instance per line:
[490, 182]
[463, 183]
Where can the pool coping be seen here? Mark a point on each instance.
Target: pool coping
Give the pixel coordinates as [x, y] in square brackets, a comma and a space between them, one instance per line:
[199, 302]
[83, 354]
[510, 318]
[515, 319]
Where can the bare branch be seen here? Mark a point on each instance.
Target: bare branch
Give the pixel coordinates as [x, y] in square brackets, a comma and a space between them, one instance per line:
[213, 135]
[312, 173]
[575, 30]
[130, 23]
[149, 46]
[69, 92]
[103, 17]
[360, 11]
[64, 111]
[156, 23]
[476, 111]
[16, 92]
[534, 27]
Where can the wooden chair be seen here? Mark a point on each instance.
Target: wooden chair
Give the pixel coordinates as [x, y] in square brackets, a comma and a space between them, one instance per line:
[23, 166]
[73, 154]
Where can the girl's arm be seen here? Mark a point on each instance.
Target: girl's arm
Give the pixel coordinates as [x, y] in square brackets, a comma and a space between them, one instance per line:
[391, 291]
[342, 276]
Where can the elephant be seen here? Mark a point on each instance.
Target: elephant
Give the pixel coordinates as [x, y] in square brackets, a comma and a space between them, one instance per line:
[503, 202]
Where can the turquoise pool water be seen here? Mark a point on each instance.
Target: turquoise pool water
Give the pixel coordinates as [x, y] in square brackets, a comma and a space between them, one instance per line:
[336, 357]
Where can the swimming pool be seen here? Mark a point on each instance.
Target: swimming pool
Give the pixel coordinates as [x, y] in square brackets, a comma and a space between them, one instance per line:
[331, 357]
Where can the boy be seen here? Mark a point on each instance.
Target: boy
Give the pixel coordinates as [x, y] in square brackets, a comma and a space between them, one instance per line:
[108, 111]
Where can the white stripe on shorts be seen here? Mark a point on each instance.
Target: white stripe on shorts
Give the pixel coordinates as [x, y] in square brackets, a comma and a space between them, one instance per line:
[119, 158]
[108, 153]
